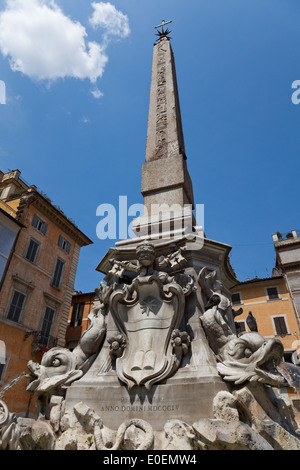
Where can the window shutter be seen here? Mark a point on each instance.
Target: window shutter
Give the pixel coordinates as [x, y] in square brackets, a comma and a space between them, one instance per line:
[44, 228]
[32, 251]
[16, 306]
[35, 220]
[47, 325]
[236, 298]
[272, 292]
[280, 326]
[60, 241]
[58, 273]
[73, 317]
[64, 244]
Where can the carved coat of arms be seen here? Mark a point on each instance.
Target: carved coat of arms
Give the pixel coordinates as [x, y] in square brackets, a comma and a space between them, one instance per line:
[148, 315]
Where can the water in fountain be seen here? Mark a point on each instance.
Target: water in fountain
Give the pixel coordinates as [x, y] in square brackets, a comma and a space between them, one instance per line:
[291, 373]
[11, 383]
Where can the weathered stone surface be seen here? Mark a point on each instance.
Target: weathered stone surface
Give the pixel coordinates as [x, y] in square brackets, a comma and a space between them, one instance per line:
[179, 435]
[38, 435]
[219, 435]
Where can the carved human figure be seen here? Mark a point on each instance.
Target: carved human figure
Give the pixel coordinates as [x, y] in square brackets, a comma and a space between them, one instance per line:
[147, 263]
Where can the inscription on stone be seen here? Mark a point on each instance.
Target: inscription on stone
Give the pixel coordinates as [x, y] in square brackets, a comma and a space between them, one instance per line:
[161, 107]
[125, 405]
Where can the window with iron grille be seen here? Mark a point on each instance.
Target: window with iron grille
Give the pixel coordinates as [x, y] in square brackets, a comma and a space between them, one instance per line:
[58, 272]
[16, 306]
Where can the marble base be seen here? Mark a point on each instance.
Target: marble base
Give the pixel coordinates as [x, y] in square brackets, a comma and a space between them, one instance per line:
[187, 401]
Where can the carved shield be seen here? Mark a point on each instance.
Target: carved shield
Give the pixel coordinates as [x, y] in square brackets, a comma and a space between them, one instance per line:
[147, 320]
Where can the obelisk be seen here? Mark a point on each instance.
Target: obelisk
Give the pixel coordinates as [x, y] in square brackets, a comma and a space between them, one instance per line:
[165, 184]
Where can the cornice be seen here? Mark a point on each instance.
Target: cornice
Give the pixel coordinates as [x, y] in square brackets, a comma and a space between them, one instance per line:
[25, 283]
[56, 216]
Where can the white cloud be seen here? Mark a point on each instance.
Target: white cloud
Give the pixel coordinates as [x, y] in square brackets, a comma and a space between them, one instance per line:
[85, 120]
[97, 93]
[45, 44]
[113, 22]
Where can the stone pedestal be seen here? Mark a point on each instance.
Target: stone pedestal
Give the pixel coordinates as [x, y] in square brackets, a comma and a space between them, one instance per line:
[176, 399]
[187, 393]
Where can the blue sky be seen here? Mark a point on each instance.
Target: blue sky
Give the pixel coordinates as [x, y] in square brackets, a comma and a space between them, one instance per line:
[75, 118]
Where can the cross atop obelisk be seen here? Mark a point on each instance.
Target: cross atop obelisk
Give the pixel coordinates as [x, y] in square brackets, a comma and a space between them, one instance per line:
[163, 32]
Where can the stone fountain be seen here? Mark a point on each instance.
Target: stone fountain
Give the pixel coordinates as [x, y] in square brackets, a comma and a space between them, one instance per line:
[161, 366]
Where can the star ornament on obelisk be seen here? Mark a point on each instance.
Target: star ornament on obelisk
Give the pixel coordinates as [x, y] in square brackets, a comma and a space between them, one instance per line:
[163, 32]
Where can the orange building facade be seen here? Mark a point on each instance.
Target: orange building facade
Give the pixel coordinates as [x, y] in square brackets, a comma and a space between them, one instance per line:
[270, 303]
[36, 281]
[78, 322]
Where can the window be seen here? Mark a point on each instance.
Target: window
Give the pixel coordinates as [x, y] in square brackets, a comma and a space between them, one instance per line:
[77, 314]
[47, 326]
[58, 272]
[39, 224]
[16, 306]
[280, 326]
[240, 326]
[272, 293]
[64, 244]
[32, 251]
[236, 298]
